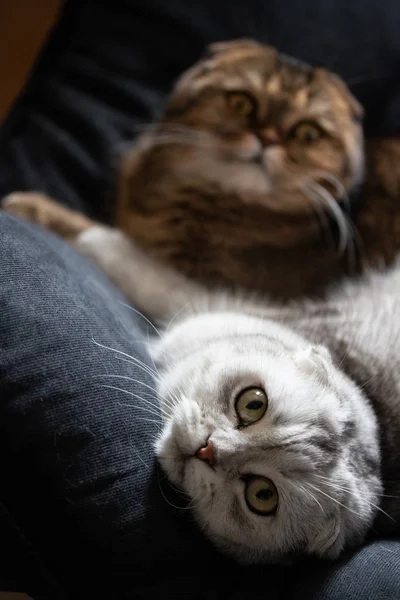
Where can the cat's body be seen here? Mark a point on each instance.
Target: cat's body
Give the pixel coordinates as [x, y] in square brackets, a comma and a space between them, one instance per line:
[318, 442]
[248, 199]
[245, 180]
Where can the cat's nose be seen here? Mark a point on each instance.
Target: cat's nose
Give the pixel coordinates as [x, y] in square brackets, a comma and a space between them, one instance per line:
[269, 136]
[206, 453]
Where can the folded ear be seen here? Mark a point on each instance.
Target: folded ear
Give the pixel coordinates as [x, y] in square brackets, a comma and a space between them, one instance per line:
[219, 54]
[315, 360]
[242, 51]
[240, 45]
[189, 85]
[212, 68]
[340, 87]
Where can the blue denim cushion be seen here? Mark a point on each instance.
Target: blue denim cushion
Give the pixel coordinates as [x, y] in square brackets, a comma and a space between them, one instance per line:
[78, 476]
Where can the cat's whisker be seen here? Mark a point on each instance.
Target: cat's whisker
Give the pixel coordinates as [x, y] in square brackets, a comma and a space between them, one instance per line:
[310, 495]
[188, 507]
[185, 129]
[137, 453]
[151, 371]
[319, 491]
[172, 403]
[155, 370]
[323, 219]
[179, 491]
[344, 357]
[127, 378]
[379, 509]
[194, 139]
[176, 315]
[335, 181]
[128, 357]
[348, 490]
[140, 314]
[146, 402]
[180, 134]
[169, 127]
[357, 243]
[131, 362]
[148, 407]
[152, 421]
[319, 208]
[125, 405]
[143, 366]
[149, 396]
[354, 236]
[319, 195]
[175, 395]
[389, 550]
[339, 217]
[179, 141]
[331, 483]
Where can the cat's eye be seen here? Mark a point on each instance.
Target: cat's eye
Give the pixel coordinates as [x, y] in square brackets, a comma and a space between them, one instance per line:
[251, 405]
[241, 104]
[306, 133]
[261, 495]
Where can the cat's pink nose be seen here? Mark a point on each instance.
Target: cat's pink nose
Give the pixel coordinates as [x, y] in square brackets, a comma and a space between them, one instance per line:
[269, 136]
[206, 453]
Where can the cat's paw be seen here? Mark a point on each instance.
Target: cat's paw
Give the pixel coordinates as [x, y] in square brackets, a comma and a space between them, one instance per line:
[48, 213]
[27, 205]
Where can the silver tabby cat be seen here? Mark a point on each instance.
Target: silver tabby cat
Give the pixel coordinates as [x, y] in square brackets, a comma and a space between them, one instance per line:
[281, 424]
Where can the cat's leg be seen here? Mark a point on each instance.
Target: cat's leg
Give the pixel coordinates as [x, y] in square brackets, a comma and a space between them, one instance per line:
[158, 290]
[48, 213]
[155, 288]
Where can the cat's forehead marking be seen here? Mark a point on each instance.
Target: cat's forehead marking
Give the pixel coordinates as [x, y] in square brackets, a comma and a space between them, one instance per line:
[255, 79]
[301, 98]
[274, 86]
[235, 82]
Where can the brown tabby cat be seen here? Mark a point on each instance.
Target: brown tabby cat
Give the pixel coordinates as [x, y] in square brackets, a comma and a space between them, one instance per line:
[235, 183]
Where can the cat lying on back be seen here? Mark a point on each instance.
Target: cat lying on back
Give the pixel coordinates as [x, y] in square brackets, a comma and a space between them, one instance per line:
[281, 424]
[254, 158]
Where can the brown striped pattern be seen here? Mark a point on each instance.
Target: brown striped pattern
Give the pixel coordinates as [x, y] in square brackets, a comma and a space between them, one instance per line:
[193, 191]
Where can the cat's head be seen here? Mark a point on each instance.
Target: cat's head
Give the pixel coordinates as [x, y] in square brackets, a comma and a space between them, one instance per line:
[276, 448]
[253, 152]
[289, 132]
